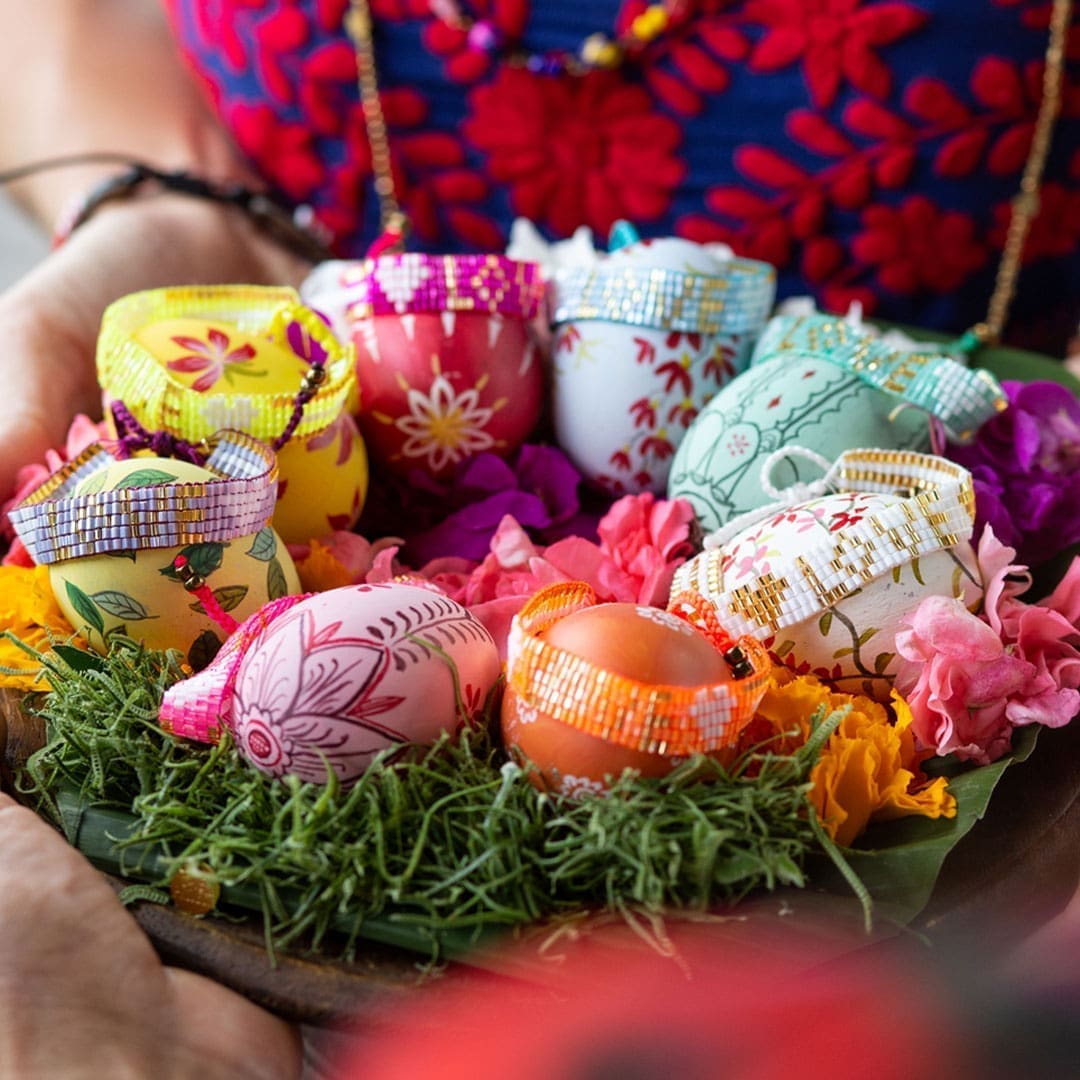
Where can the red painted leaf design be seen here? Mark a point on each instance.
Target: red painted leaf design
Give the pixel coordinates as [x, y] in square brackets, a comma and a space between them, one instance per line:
[702, 71]
[767, 167]
[960, 155]
[1010, 151]
[932, 100]
[736, 203]
[875, 121]
[812, 130]
[893, 168]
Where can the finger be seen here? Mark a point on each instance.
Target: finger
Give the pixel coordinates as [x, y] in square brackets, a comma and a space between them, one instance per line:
[245, 1040]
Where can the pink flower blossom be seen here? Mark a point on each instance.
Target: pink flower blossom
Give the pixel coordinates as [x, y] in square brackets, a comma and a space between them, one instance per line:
[971, 679]
[642, 542]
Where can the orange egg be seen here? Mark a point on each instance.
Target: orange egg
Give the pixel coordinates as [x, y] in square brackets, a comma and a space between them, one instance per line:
[646, 645]
[641, 643]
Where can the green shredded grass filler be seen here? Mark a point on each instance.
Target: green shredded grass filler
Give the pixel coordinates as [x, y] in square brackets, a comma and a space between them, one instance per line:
[450, 841]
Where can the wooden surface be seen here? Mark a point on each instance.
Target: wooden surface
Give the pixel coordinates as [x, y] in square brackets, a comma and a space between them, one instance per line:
[1015, 871]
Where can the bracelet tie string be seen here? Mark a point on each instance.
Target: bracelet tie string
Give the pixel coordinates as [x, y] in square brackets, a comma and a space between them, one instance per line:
[783, 498]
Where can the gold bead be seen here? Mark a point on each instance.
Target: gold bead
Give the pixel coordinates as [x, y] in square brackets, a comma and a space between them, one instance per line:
[599, 51]
[650, 23]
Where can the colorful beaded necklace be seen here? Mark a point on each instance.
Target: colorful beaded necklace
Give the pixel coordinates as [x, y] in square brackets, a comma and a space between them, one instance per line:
[598, 50]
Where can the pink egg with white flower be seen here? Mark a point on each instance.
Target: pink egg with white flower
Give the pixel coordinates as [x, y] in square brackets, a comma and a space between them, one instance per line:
[445, 356]
[332, 681]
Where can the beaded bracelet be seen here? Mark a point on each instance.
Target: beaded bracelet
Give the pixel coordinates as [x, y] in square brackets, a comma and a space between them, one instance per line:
[296, 230]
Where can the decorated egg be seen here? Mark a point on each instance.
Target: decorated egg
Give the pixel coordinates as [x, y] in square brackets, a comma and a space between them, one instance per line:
[445, 357]
[333, 679]
[189, 362]
[110, 532]
[821, 384]
[593, 689]
[643, 340]
[826, 584]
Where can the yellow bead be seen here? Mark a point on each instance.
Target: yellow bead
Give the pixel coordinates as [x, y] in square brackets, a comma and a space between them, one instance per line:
[598, 51]
[650, 23]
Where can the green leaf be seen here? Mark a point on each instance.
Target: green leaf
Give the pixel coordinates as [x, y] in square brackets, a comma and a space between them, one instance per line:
[92, 484]
[825, 623]
[784, 648]
[899, 861]
[276, 585]
[916, 571]
[896, 574]
[79, 659]
[882, 661]
[867, 634]
[146, 478]
[203, 649]
[128, 554]
[847, 650]
[264, 545]
[121, 605]
[204, 559]
[85, 607]
[229, 597]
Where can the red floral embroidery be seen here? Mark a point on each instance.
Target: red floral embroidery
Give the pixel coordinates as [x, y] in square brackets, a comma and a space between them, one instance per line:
[916, 246]
[835, 39]
[464, 63]
[284, 152]
[576, 151]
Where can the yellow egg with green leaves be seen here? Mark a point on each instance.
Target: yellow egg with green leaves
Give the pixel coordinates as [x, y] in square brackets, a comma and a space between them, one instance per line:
[138, 593]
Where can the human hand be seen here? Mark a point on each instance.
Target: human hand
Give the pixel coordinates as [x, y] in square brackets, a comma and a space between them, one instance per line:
[50, 319]
[83, 994]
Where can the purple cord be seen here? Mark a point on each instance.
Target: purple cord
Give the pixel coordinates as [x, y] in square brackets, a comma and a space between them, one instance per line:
[133, 436]
[315, 377]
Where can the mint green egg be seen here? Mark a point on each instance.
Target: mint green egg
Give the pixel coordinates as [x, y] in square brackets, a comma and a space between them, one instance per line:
[786, 401]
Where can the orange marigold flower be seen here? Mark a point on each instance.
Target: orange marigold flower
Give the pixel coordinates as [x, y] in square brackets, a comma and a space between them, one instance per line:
[30, 611]
[869, 770]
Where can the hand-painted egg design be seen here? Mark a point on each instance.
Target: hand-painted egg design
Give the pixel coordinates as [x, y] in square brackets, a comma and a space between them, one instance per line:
[850, 643]
[446, 359]
[138, 593]
[191, 362]
[324, 480]
[782, 402]
[348, 673]
[642, 343]
[624, 653]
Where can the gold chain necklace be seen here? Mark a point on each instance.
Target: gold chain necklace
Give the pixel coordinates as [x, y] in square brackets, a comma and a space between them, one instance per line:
[1025, 205]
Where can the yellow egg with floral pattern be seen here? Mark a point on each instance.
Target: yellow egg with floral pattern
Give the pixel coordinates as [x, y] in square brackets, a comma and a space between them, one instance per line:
[191, 362]
[332, 466]
[137, 591]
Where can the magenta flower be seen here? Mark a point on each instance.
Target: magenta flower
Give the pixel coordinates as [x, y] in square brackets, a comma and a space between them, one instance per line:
[538, 487]
[1025, 463]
